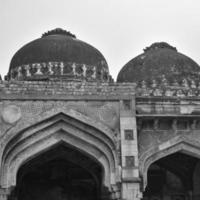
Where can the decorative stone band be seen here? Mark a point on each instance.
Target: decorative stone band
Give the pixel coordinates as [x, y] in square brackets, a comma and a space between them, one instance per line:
[59, 70]
[163, 123]
[185, 88]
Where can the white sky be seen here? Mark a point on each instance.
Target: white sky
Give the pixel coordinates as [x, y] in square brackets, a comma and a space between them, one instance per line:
[120, 29]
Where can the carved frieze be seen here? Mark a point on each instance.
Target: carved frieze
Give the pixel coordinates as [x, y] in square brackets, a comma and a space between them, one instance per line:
[51, 70]
[164, 88]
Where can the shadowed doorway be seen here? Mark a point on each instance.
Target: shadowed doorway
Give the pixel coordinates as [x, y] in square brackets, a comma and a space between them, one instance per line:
[61, 173]
[174, 177]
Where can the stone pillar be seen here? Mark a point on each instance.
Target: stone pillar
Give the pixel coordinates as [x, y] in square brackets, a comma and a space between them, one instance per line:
[116, 192]
[4, 193]
[131, 191]
[129, 151]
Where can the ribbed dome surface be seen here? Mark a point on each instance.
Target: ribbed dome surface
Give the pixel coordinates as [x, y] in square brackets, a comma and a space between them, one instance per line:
[56, 46]
[158, 60]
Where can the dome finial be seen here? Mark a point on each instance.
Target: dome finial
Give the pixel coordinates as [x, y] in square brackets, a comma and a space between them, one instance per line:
[159, 45]
[58, 31]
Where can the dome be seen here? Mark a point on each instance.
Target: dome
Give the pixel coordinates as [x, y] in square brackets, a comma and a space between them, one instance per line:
[58, 54]
[159, 61]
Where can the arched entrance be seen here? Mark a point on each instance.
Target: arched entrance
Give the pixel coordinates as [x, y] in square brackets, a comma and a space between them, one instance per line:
[172, 178]
[83, 155]
[60, 173]
[171, 171]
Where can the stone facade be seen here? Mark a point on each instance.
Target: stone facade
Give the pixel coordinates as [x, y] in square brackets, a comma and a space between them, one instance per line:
[124, 131]
[68, 131]
[36, 116]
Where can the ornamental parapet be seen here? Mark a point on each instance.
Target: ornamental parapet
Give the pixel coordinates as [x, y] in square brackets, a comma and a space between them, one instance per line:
[59, 71]
[164, 88]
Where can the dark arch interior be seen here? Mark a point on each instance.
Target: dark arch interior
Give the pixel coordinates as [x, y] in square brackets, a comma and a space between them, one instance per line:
[174, 177]
[60, 173]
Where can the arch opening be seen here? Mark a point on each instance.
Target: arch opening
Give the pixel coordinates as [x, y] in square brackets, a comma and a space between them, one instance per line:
[62, 172]
[60, 128]
[173, 177]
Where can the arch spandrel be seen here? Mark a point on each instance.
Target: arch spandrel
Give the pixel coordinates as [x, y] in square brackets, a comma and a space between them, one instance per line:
[34, 119]
[177, 144]
[81, 132]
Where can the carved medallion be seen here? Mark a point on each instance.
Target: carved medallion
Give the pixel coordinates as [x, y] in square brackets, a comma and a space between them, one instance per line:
[11, 114]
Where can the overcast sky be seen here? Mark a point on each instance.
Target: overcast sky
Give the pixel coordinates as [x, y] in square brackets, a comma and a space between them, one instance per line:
[120, 29]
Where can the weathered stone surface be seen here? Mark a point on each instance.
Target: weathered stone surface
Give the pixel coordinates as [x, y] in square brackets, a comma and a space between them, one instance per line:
[11, 114]
[30, 111]
[58, 55]
[65, 90]
[159, 62]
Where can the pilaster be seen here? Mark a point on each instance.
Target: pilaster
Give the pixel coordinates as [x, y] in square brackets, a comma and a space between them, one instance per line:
[129, 151]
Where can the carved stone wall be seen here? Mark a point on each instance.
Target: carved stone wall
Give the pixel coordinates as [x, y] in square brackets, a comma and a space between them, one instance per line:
[35, 116]
[40, 137]
[166, 126]
[25, 113]
[164, 88]
[65, 90]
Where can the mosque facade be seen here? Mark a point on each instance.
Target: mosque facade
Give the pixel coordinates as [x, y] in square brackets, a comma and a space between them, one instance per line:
[70, 132]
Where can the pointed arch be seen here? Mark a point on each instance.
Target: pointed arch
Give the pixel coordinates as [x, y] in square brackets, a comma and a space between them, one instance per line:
[77, 131]
[178, 144]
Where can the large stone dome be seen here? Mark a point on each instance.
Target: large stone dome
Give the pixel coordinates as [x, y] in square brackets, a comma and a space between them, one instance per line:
[58, 55]
[159, 61]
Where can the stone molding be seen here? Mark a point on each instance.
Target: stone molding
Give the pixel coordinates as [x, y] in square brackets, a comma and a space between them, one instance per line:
[165, 123]
[80, 88]
[13, 90]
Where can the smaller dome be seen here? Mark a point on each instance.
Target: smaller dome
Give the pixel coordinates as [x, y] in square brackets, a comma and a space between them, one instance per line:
[158, 61]
[58, 55]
